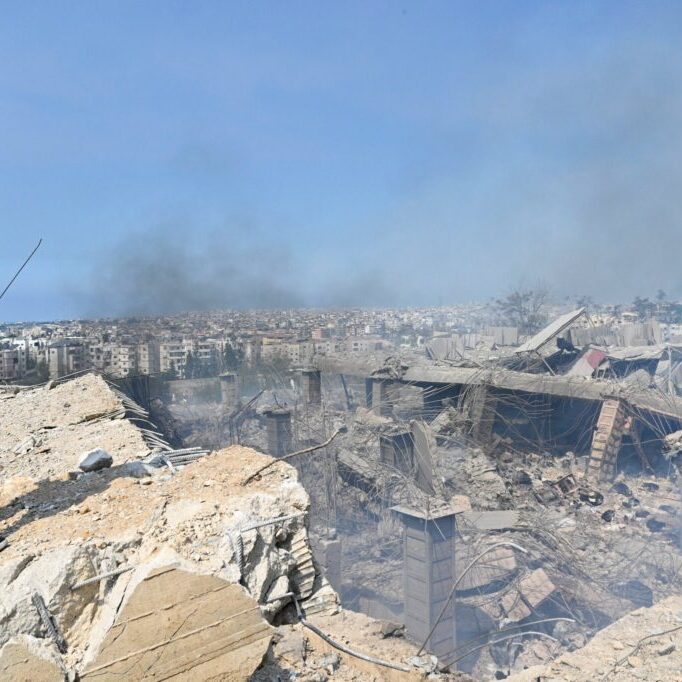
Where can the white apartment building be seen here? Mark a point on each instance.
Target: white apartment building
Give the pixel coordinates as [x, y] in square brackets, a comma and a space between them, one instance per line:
[148, 358]
[124, 360]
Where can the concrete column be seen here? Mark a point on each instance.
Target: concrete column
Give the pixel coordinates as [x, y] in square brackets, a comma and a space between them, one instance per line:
[369, 390]
[330, 550]
[397, 450]
[482, 411]
[606, 442]
[229, 390]
[428, 576]
[279, 432]
[383, 397]
[311, 386]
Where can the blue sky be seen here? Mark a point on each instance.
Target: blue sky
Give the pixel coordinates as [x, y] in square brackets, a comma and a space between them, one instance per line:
[273, 153]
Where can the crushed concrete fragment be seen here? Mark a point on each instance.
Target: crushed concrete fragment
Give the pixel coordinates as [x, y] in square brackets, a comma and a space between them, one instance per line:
[95, 460]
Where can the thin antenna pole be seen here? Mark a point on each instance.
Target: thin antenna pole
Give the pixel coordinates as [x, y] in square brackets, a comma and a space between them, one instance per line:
[4, 291]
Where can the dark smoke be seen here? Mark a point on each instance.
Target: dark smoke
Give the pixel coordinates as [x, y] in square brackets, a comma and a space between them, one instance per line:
[175, 269]
[574, 177]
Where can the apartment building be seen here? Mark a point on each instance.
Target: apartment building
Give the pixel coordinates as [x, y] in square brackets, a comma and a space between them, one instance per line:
[296, 352]
[99, 355]
[327, 346]
[206, 351]
[365, 344]
[148, 358]
[10, 365]
[124, 360]
[65, 357]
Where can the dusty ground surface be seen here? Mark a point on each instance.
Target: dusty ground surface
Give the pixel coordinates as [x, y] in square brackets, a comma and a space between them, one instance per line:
[110, 504]
[298, 654]
[43, 432]
[644, 645]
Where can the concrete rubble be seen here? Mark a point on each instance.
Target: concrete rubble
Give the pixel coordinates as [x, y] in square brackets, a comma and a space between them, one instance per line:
[45, 431]
[483, 514]
[644, 645]
[150, 571]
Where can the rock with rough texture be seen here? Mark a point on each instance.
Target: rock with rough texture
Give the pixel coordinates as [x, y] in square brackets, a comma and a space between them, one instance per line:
[51, 575]
[66, 531]
[27, 659]
[54, 428]
[95, 460]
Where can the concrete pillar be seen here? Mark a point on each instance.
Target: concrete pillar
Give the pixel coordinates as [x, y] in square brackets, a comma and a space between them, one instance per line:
[428, 577]
[482, 412]
[279, 432]
[369, 389]
[383, 397]
[397, 450]
[229, 390]
[311, 386]
[330, 551]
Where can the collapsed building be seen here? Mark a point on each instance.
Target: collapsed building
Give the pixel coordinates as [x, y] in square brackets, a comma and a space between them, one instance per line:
[483, 514]
[502, 509]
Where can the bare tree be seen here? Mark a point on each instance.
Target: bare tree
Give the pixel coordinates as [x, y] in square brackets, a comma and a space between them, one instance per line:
[525, 308]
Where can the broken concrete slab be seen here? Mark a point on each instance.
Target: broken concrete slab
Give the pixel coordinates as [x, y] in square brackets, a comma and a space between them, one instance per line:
[185, 625]
[28, 659]
[51, 575]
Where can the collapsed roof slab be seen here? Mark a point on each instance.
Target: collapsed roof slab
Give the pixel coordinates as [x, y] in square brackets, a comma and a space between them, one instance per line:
[644, 400]
[552, 330]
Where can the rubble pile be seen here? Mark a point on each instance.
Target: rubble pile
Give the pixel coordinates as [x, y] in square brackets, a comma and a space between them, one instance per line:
[594, 550]
[644, 645]
[120, 568]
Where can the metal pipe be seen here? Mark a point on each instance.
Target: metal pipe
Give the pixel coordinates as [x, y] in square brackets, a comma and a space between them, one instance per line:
[344, 648]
